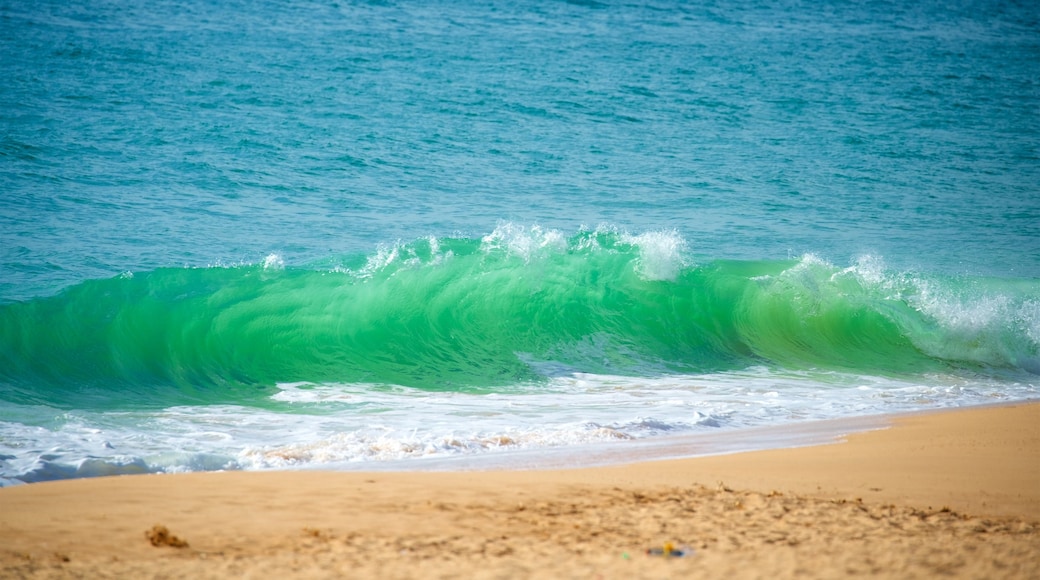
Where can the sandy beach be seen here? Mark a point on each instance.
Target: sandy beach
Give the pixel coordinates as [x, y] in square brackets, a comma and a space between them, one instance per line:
[949, 493]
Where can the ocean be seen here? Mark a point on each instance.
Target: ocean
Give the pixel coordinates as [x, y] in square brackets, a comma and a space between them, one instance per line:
[453, 235]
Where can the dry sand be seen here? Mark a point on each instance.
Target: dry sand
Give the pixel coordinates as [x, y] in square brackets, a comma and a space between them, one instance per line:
[953, 493]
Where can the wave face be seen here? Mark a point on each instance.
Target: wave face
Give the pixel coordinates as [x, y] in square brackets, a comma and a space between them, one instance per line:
[515, 307]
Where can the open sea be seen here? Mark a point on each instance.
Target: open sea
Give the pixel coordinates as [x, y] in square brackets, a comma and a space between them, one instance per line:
[433, 234]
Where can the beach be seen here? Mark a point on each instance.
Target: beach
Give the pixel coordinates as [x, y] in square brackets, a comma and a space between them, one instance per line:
[519, 289]
[953, 493]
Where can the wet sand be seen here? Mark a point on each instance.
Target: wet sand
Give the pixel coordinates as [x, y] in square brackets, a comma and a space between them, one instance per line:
[949, 493]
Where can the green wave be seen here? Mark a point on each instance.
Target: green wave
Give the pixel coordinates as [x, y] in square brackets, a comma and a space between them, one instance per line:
[479, 314]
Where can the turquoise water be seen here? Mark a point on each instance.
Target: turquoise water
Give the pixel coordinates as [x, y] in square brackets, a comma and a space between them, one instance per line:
[267, 234]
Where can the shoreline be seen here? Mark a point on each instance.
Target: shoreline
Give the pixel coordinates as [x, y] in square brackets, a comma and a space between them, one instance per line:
[945, 491]
[699, 445]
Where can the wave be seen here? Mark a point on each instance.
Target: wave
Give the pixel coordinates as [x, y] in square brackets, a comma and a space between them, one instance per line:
[514, 307]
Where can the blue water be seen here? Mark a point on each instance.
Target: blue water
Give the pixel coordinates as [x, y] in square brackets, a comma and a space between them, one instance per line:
[269, 234]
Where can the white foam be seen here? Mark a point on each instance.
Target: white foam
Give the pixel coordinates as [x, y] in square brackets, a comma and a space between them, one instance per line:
[388, 258]
[527, 243]
[337, 425]
[869, 269]
[384, 256]
[662, 254]
[273, 262]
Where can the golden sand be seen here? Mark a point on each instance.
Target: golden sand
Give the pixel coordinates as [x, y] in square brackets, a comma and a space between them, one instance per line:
[941, 494]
